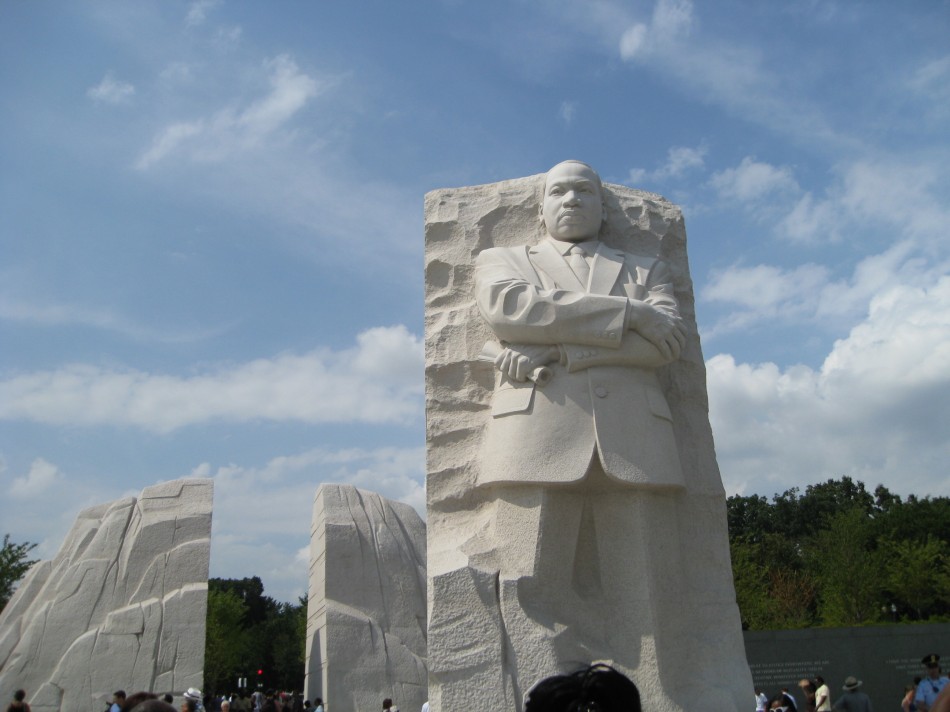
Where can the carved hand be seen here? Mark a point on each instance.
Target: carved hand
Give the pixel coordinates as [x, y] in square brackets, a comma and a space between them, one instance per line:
[665, 331]
[518, 361]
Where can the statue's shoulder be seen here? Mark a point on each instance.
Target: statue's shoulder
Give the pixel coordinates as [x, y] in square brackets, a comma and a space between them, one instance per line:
[503, 254]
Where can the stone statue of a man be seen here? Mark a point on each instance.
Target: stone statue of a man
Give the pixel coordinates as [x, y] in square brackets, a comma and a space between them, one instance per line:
[601, 320]
[571, 458]
[578, 517]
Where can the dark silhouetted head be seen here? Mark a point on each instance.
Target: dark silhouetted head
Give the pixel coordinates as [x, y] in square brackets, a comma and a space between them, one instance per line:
[598, 688]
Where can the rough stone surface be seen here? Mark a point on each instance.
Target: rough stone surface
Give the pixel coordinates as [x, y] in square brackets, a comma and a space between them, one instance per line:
[121, 606]
[492, 632]
[366, 614]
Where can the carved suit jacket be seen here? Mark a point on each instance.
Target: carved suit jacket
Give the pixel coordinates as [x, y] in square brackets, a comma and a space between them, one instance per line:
[604, 396]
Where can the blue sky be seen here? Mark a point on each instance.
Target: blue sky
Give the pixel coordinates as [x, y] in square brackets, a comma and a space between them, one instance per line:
[194, 196]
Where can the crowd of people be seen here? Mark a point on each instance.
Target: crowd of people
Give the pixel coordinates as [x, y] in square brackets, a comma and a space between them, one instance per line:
[192, 700]
[596, 688]
[928, 694]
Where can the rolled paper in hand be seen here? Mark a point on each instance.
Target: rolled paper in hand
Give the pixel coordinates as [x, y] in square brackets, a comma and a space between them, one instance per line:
[539, 375]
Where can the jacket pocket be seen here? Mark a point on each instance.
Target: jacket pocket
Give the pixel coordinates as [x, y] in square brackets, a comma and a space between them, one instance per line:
[511, 397]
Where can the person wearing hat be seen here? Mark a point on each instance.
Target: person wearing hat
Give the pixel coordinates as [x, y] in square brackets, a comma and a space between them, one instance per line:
[192, 700]
[931, 685]
[852, 700]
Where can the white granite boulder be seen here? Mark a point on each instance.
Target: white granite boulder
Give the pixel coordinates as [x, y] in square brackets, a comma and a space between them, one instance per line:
[121, 606]
[366, 615]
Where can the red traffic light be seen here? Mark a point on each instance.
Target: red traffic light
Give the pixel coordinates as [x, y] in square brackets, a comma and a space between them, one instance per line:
[260, 672]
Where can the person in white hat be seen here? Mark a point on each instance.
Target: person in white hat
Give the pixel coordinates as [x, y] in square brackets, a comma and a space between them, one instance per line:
[192, 701]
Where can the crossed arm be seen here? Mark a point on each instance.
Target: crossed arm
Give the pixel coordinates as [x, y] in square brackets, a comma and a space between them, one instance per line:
[578, 329]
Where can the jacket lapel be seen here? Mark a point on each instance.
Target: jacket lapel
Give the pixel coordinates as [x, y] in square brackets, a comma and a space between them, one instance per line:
[547, 259]
[605, 270]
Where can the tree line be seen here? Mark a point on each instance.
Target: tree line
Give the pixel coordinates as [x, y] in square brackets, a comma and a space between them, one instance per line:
[250, 635]
[838, 555]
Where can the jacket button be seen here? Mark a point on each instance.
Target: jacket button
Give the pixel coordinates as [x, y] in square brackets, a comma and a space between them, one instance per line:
[600, 392]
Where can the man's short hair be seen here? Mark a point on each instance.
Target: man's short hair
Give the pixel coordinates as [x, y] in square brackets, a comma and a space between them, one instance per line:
[153, 705]
[134, 700]
[600, 182]
[118, 693]
[597, 688]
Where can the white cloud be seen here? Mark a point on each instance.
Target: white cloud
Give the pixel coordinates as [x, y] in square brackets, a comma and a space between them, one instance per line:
[176, 72]
[202, 470]
[720, 71]
[810, 221]
[671, 20]
[876, 409]
[933, 75]
[931, 82]
[902, 195]
[229, 131]
[897, 203]
[679, 160]
[45, 488]
[226, 38]
[752, 180]
[198, 12]
[808, 293]
[169, 139]
[111, 91]
[633, 41]
[17, 308]
[377, 381]
[567, 112]
[764, 293]
[767, 287]
[39, 479]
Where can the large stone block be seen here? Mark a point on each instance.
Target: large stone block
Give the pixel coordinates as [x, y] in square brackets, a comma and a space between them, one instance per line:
[579, 518]
[366, 615]
[121, 606]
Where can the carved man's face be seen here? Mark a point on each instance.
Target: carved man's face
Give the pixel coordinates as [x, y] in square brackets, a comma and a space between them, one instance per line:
[572, 209]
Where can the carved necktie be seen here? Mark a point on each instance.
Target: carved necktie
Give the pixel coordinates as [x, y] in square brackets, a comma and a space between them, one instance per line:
[578, 263]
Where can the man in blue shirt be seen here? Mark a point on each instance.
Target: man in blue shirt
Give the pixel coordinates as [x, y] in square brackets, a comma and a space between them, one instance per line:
[930, 686]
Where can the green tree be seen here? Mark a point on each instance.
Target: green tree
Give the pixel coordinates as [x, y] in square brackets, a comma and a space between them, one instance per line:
[13, 565]
[267, 635]
[916, 575]
[849, 570]
[226, 640]
[752, 584]
[837, 553]
[773, 588]
[251, 592]
[749, 518]
[287, 645]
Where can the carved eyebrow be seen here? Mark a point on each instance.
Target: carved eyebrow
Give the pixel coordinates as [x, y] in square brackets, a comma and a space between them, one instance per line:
[579, 183]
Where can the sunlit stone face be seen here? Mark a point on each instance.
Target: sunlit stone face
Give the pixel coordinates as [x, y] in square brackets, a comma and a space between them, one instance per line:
[572, 208]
